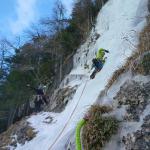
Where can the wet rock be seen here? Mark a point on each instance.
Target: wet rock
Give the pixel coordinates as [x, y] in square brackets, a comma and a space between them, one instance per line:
[61, 98]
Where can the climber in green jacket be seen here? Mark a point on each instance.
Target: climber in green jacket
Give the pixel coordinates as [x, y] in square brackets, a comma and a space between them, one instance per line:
[100, 55]
[99, 61]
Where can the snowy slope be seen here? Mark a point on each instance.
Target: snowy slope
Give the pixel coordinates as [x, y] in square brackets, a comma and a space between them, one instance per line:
[119, 24]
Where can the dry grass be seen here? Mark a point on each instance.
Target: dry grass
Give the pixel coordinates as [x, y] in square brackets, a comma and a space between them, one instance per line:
[143, 66]
[98, 110]
[116, 74]
[144, 44]
[98, 129]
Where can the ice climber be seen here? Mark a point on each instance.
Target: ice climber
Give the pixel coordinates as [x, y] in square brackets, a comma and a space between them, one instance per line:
[38, 102]
[99, 61]
[40, 93]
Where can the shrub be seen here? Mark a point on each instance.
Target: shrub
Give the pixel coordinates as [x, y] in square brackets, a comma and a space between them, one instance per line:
[98, 129]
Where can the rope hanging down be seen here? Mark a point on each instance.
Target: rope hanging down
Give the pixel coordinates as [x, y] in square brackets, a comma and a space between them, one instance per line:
[57, 138]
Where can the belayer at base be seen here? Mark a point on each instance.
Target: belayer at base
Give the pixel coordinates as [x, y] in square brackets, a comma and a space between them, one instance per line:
[98, 62]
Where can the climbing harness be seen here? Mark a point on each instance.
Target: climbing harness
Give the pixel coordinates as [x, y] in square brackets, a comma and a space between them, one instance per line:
[59, 135]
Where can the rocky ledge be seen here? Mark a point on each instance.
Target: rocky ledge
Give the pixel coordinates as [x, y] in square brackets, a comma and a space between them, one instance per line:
[139, 140]
[61, 98]
[134, 95]
[19, 133]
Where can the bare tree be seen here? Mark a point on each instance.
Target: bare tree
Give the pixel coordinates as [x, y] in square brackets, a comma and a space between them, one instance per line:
[58, 20]
[4, 52]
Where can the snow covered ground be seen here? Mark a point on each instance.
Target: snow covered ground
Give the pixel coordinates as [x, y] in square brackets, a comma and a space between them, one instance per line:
[119, 24]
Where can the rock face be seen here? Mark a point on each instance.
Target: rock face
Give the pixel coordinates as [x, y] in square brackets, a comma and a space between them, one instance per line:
[139, 140]
[60, 99]
[135, 96]
[17, 133]
[149, 5]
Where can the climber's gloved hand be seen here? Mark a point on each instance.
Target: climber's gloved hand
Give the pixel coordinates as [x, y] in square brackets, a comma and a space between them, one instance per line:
[107, 51]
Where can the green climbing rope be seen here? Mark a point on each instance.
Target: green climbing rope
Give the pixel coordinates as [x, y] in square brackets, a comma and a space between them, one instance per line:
[78, 130]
